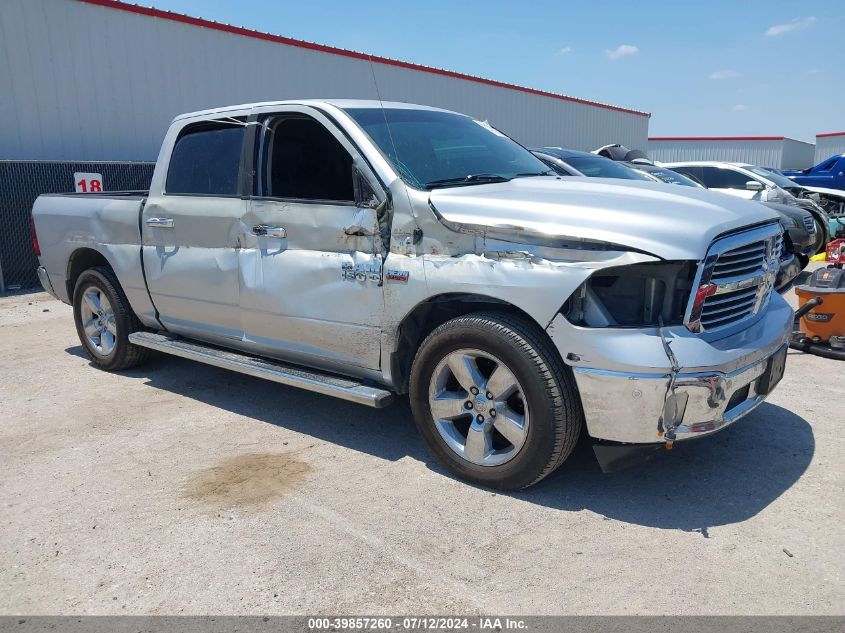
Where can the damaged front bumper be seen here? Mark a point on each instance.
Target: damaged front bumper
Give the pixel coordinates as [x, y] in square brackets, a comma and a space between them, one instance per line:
[625, 380]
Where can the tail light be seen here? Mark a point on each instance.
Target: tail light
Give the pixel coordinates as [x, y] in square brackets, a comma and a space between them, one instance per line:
[34, 238]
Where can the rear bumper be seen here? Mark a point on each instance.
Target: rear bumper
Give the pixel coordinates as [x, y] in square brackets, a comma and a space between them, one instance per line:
[44, 278]
[719, 381]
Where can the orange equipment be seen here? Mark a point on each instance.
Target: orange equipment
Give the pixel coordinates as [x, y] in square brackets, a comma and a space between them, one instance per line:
[822, 313]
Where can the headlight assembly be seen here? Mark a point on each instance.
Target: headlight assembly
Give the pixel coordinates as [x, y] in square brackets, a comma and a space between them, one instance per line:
[633, 296]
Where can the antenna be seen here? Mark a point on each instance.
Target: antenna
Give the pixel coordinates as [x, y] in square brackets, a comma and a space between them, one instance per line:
[390, 134]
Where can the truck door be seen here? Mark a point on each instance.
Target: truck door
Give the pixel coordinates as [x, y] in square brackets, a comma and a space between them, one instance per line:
[190, 231]
[310, 265]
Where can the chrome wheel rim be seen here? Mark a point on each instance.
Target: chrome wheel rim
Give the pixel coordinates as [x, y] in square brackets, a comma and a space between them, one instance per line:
[98, 321]
[478, 407]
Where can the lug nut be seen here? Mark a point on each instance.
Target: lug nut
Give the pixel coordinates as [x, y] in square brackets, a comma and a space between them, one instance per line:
[473, 390]
[489, 396]
[467, 405]
[492, 413]
[479, 418]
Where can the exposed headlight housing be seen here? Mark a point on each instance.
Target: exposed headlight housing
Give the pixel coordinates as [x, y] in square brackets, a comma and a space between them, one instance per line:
[637, 295]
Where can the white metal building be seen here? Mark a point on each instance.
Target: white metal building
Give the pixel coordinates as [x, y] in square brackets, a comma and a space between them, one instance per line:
[780, 152]
[102, 79]
[829, 144]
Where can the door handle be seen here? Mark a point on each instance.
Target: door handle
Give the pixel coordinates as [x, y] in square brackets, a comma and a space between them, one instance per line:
[161, 223]
[269, 231]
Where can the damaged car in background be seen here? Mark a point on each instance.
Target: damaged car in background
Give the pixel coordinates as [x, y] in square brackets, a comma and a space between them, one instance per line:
[361, 250]
[617, 161]
[756, 183]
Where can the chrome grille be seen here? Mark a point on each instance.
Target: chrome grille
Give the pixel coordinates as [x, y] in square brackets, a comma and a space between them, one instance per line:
[736, 279]
[809, 224]
[739, 262]
[728, 307]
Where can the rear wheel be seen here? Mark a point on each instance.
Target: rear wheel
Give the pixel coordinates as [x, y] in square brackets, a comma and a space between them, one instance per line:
[104, 320]
[494, 401]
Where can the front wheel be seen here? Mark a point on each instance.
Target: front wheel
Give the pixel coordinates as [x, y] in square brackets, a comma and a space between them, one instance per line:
[494, 401]
[821, 236]
[104, 320]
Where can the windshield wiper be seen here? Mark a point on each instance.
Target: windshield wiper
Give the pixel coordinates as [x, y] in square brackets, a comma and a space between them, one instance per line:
[548, 172]
[466, 180]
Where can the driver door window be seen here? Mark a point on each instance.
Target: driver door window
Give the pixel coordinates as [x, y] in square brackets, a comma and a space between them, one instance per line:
[304, 161]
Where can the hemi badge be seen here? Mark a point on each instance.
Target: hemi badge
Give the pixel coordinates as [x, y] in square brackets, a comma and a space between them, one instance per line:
[397, 275]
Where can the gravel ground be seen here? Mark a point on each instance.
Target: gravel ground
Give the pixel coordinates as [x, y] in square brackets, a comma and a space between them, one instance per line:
[180, 488]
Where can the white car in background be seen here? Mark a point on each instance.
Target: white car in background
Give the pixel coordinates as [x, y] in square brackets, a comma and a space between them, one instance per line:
[754, 183]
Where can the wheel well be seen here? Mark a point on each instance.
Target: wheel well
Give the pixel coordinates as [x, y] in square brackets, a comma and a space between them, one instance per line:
[428, 315]
[80, 261]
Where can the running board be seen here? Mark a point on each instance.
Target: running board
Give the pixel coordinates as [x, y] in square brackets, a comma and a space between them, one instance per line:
[276, 371]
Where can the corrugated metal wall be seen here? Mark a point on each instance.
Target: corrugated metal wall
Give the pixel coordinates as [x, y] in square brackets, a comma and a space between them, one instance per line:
[829, 144]
[796, 154]
[89, 82]
[766, 153]
[770, 152]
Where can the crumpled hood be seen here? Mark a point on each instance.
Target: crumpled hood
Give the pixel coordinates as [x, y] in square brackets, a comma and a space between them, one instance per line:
[836, 193]
[669, 221]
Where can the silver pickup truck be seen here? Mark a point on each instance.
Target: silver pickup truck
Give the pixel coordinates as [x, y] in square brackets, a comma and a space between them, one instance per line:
[362, 249]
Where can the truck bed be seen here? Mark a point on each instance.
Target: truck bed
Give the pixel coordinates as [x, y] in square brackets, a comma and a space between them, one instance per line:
[135, 193]
[73, 224]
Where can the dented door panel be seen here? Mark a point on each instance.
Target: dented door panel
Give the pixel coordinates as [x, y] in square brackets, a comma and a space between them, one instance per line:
[315, 295]
[192, 266]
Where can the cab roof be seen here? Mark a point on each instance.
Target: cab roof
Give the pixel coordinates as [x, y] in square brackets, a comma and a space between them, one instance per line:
[343, 104]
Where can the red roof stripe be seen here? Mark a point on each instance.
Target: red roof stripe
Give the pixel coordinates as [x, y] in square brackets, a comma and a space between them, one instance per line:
[716, 138]
[279, 39]
[826, 134]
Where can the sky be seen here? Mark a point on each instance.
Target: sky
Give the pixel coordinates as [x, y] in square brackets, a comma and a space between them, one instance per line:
[703, 68]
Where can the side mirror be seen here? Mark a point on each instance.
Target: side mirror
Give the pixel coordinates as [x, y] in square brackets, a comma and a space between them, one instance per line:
[754, 185]
[364, 194]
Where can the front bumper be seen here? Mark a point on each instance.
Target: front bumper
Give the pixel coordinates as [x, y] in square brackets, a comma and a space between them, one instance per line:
[623, 376]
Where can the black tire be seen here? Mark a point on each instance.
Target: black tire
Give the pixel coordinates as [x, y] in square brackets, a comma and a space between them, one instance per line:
[822, 236]
[124, 354]
[549, 390]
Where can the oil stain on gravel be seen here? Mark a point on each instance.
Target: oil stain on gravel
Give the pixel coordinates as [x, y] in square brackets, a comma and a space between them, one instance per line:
[251, 479]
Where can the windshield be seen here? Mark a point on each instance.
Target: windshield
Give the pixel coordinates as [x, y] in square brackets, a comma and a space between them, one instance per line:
[430, 149]
[672, 177]
[600, 167]
[781, 181]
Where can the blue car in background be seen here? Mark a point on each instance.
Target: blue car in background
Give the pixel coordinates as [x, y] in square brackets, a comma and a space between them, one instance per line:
[828, 174]
[827, 181]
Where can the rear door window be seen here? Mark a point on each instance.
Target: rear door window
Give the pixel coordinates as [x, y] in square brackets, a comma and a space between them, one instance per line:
[691, 172]
[205, 160]
[720, 178]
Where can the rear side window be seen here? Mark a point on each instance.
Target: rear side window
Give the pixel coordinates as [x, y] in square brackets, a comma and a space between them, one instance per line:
[718, 178]
[205, 161]
[692, 172]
